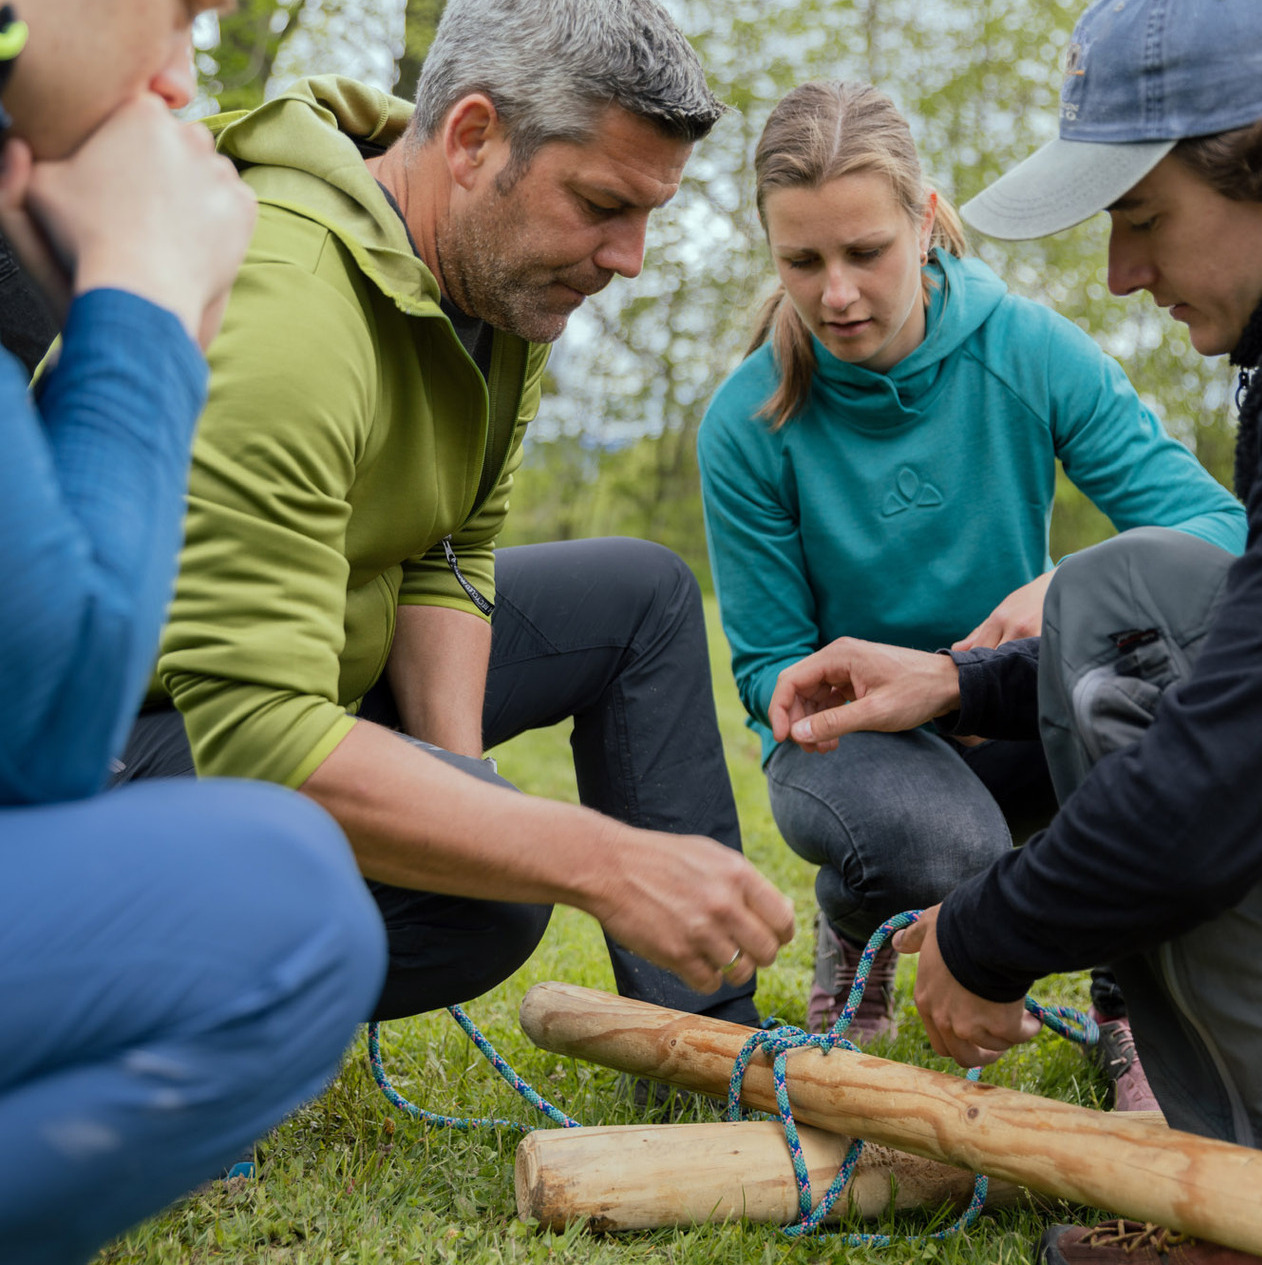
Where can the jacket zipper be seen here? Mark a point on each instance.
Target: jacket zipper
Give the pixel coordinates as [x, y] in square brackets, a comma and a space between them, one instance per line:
[487, 608]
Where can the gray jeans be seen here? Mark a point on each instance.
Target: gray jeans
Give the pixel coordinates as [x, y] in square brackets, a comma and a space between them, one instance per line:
[896, 821]
[1195, 1001]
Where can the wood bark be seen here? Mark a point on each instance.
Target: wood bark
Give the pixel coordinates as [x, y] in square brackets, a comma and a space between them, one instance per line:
[640, 1177]
[1132, 1168]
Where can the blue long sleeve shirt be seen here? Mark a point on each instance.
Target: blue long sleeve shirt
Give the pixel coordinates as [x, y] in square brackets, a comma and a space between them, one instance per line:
[91, 505]
[902, 507]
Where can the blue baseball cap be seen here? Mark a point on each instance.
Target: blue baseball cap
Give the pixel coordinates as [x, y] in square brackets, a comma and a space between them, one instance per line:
[1140, 76]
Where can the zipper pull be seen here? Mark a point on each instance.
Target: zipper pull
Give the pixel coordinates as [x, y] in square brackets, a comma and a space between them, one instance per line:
[487, 608]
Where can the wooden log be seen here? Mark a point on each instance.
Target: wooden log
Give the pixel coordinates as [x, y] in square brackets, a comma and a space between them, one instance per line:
[1133, 1168]
[641, 1177]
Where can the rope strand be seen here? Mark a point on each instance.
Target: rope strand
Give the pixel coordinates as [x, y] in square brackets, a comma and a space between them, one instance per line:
[777, 1044]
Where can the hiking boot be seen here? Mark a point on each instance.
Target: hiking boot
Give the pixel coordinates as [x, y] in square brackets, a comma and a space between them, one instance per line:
[1115, 1055]
[1132, 1243]
[836, 960]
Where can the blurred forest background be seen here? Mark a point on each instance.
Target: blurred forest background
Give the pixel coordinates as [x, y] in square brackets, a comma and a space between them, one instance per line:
[613, 450]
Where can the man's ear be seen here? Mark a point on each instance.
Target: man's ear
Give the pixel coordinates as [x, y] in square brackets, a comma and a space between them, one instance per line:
[474, 141]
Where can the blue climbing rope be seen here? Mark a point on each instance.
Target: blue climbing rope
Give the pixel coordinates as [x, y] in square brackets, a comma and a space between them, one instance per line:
[528, 1092]
[777, 1044]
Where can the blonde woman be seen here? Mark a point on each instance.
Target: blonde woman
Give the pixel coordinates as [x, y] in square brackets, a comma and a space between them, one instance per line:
[882, 466]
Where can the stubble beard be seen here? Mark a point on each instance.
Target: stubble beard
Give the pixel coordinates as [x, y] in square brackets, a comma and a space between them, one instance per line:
[484, 280]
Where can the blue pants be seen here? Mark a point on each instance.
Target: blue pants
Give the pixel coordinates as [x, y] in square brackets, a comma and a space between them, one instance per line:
[181, 964]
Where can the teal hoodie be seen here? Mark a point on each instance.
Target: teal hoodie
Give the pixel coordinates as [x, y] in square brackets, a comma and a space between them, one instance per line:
[904, 506]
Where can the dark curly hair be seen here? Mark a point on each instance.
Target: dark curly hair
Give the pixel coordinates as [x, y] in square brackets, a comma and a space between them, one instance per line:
[1231, 164]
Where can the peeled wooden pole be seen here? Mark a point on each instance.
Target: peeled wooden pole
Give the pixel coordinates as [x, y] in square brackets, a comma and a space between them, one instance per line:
[640, 1177]
[1134, 1168]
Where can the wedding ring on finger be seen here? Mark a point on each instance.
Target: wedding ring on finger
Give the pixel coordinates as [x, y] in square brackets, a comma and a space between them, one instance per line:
[728, 967]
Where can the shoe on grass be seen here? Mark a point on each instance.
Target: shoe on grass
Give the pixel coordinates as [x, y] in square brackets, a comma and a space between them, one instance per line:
[1131, 1243]
[1115, 1055]
[836, 960]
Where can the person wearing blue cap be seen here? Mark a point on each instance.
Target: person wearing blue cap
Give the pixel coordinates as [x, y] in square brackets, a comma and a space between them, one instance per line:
[882, 465]
[1146, 685]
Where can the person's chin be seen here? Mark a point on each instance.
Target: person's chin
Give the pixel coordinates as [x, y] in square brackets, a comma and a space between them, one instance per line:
[853, 351]
[542, 327]
[1208, 339]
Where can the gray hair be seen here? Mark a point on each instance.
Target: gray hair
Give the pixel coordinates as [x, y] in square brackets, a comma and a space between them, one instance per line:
[552, 66]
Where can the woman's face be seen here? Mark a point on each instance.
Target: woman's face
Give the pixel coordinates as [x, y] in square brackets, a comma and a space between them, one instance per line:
[1195, 251]
[850, 256]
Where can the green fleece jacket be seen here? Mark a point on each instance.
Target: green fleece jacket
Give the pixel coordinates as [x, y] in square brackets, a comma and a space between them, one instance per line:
[346, 434]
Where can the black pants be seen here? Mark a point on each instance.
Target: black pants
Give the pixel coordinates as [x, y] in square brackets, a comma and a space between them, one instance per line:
[608, 632]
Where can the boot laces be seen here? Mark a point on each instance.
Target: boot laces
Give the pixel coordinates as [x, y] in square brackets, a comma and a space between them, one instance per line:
[1134, 1236]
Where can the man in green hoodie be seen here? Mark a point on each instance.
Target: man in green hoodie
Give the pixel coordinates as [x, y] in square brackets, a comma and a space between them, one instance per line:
[342, 623]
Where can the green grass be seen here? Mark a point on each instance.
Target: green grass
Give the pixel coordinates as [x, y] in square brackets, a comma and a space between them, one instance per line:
[351, 1179]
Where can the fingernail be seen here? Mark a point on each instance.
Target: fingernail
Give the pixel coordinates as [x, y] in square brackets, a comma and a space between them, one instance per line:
[802, 730]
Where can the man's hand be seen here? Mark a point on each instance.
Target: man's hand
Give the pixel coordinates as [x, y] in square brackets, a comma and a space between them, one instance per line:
[855, 685]
[971, 1030]
[1020, 614]
[684, 902]
[688, 903]
[144, 205]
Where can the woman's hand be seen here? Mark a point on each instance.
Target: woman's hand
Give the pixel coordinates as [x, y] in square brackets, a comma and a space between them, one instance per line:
[1020, 614]
[854, 685]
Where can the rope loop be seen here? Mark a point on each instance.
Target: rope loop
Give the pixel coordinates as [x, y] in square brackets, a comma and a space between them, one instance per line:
[776, 1044]
[488, 1051]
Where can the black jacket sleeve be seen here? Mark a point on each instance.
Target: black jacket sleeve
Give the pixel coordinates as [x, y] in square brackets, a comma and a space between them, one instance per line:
[1160, 837]
[998, 692]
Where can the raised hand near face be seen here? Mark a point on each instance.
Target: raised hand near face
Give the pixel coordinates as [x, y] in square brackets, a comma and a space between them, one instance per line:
[143, 205]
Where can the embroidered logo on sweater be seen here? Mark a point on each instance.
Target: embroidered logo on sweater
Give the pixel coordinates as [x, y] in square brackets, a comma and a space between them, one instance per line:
[910, 492]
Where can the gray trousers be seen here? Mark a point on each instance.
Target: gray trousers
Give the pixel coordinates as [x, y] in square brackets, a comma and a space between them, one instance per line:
[1195, 1002]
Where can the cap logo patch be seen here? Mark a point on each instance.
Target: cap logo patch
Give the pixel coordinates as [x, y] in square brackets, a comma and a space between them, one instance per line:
[1074, 69]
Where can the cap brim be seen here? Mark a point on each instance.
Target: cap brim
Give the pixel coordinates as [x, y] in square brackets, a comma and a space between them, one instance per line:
[1061, 185]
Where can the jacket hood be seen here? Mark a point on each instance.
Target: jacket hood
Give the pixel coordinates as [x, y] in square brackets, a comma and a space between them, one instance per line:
[300, 151]
[964, 294]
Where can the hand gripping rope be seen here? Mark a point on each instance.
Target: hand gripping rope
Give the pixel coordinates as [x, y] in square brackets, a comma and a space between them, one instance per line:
[777, 1044]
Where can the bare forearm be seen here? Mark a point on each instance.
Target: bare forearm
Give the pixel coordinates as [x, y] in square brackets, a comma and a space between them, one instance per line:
[416, 821]
[437, 671]
[682, 901]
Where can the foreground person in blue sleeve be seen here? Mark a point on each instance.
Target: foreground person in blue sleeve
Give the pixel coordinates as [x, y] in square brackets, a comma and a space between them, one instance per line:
[1146, 685]
[161, 1009]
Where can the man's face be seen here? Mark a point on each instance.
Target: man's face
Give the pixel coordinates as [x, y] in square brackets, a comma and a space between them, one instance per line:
[1197, 253]
[523, 255]
[85, 58]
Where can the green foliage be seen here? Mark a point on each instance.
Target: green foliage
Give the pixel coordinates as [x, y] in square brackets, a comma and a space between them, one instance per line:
[236, 72]
[349, 1179]
[313, 37]
[979, 80]
[420, 23]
